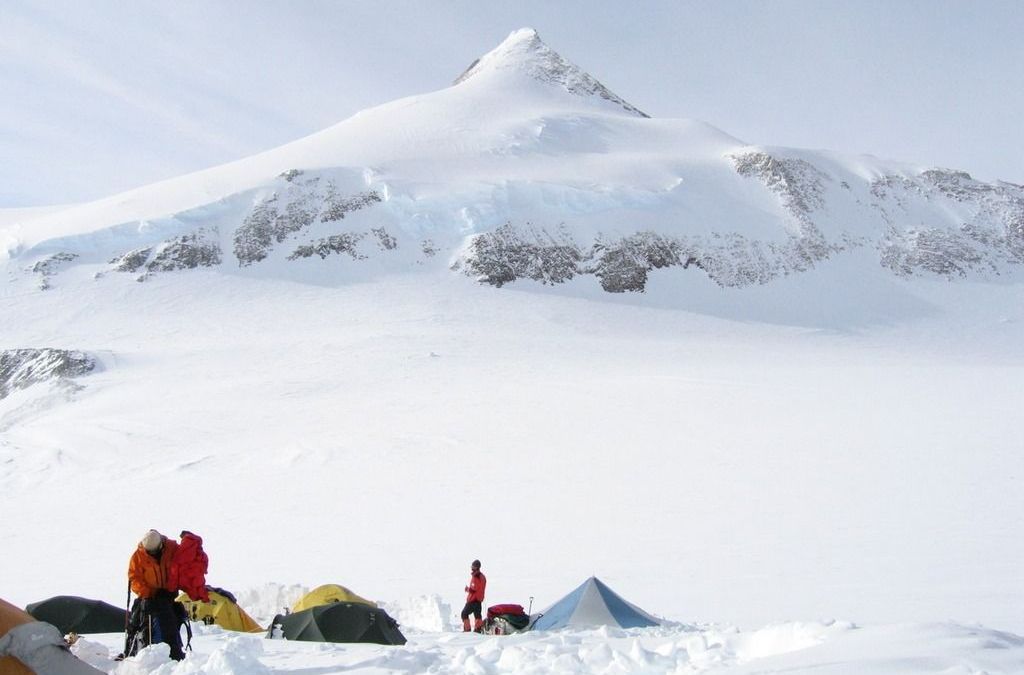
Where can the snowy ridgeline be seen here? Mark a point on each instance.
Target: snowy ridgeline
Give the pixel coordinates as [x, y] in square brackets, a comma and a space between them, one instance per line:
[904, 219]
[989, 241]
[529, 168]
[789, 648]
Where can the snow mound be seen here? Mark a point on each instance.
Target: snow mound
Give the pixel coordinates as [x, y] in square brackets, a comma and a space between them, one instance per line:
[96, 654]
[426, 613]
[265, 602]
[781, 639]
[234, 655]
[240, 655]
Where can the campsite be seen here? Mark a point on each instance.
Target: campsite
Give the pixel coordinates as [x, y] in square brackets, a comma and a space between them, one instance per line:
[593, 630]
[328, 614]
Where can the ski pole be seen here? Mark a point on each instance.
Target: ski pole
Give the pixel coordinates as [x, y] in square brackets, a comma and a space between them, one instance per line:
[127, 616]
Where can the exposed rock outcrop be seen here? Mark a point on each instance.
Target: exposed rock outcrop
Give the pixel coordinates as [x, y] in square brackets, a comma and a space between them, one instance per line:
[335, 244]
[290, 210]
[49, 266]
[188, 251]
[623, 264]
[506, 254]
[799, 184]
[989, 236]
[21, 368]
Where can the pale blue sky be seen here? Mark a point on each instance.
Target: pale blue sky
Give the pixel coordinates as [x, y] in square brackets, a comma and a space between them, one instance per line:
[102, 96]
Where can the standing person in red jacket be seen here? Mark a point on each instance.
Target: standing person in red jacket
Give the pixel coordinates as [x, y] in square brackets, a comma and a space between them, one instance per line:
[474, 598]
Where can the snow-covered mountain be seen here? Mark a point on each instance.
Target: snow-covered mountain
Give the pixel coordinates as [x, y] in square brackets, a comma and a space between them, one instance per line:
[747, 385]
[529, 168]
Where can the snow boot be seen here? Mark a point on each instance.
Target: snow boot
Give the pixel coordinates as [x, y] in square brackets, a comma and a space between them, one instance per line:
[479, 626]
[465, 625]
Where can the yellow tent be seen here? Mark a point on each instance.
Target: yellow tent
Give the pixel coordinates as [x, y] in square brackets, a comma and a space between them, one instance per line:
[221, 610]
[328, 593]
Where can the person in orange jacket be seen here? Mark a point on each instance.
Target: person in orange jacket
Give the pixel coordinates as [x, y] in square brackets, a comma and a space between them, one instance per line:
[154, 615]
[474, 598]
[149, 570]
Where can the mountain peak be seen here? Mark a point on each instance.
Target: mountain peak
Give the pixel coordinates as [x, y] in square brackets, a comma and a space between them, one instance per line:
[524, 51]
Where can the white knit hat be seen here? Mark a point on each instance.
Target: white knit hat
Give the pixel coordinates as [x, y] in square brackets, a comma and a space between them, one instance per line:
[151, 541]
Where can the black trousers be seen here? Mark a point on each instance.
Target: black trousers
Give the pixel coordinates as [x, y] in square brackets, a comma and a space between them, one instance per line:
[155, 620]
[473, 608]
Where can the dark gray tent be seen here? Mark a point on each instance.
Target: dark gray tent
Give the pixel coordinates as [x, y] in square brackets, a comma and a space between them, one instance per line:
[340, 622]
[70, 613]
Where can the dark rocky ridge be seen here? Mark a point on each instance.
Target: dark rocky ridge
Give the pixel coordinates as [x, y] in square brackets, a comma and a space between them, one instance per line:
[991, 237]
[623, 264]
[186, 252]
[289, 211]
[988, 241]
[50, 266]
[22, 368]
[894, 209]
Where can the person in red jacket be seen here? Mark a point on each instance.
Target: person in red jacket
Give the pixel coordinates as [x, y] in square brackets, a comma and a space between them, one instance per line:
[474, 598]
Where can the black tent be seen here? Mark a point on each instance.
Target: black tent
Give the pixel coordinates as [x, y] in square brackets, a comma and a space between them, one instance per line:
[340, 622]
[70, 613]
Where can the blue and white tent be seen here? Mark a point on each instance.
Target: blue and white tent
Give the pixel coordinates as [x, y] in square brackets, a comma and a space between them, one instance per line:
[593, 604]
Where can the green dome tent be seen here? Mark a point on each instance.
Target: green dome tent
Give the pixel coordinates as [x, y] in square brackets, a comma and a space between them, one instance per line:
[340, 622]
[72, 614]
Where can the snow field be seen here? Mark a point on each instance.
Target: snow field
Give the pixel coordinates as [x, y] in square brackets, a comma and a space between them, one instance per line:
[382, 435]
[792, 647]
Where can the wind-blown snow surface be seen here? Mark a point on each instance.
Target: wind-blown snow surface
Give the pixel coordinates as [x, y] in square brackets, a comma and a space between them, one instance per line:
[837, 440]
[381, 435]
[832, 648]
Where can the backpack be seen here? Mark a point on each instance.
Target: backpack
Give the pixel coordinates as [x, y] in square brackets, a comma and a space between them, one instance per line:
[507, 618]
